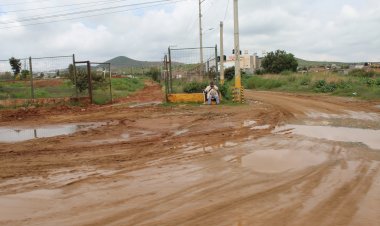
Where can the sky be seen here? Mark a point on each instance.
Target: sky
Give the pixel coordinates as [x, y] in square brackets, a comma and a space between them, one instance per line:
[323, 30]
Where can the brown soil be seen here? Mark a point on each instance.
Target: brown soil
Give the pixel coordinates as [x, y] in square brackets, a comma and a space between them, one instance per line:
[188, 165]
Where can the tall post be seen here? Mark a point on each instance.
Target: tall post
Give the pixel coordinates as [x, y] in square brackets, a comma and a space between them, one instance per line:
[221, 54]
[75, 78]
[31, 77]
[237, 46]
[89, 81]
[200, 37]
[166, 73]
[216, 62]
[109, 67]
[170, 72]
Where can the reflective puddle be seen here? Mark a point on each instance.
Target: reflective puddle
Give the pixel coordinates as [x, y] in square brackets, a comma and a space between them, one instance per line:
[277, 161]
[18, 134]
[369, 137]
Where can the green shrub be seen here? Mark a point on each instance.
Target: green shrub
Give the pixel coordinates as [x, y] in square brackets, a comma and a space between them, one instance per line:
[305, 81]
[370, 82]
[226, 91]
[378, 82]
[362, 73]
[322, 86]
[286, 72]
[195, 87]
[257, 82]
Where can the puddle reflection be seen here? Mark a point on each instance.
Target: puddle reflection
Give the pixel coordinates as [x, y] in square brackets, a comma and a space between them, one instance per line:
[18, 134]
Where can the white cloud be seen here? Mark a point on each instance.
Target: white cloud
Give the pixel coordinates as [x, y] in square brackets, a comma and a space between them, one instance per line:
[343, 30]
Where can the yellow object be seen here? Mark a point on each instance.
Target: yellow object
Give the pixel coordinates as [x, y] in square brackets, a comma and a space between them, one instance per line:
[186, 97]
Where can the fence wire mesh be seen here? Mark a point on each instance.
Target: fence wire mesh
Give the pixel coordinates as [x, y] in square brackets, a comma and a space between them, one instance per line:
[186, 65]
[101, 82]
[41, 80]
[15, 85]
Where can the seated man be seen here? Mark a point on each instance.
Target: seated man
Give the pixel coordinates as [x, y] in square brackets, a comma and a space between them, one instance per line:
[212, 92]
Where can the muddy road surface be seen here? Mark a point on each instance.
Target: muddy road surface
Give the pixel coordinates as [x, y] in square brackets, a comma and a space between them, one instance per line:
[281, 159]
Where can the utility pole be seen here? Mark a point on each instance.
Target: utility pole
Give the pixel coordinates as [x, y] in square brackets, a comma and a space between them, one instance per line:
[221, 54]
[237, 46]
[200, 36]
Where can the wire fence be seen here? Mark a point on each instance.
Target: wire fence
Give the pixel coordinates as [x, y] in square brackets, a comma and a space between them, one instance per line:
[52, 79]
[186, 65]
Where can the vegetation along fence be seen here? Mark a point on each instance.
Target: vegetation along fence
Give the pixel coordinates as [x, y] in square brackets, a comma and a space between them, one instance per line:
[53, 79]
[186, 66]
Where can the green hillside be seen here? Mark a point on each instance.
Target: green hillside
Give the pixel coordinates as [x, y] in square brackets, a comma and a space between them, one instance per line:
[306, 63]
[125, 62]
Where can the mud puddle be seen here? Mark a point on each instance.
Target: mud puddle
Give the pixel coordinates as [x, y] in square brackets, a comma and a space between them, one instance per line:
[281, 160]
[18, 134]
[369, 137]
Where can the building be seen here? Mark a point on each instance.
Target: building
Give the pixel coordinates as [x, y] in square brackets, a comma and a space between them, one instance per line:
[248, 63]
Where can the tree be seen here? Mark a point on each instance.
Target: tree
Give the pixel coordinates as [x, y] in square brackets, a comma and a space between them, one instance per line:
[154, 73]
[16, 65]
[276, 62]
[24, 74]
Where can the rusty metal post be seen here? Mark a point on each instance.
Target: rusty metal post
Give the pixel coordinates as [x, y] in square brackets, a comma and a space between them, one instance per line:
[170, 72]
[31, 77]
[75, 77]
[89, 76]
[109, 67]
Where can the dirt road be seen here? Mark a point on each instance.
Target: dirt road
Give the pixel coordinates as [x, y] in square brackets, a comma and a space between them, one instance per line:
[282, 159]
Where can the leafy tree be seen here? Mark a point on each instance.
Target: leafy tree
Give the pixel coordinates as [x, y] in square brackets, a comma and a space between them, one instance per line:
[24, 74]
[154, 73]
[276, 62]
[229, 73]
[16, 65]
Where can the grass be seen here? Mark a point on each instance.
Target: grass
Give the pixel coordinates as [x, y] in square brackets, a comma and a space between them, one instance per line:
[121, 87]
[332, 83]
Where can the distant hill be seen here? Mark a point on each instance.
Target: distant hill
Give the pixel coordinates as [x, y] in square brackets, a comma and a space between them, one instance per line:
[306, 63]
[125, 62]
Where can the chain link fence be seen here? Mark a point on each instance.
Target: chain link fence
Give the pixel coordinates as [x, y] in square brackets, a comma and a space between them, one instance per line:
[53, 79]
[186, 65]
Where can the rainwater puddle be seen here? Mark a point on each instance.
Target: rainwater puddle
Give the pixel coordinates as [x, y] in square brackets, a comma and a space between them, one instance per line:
[360, 115]
[261, 127]
[147, 104]
[248, 123]
[180, 132]
[369, 137]
[17, 134]
[281, 160]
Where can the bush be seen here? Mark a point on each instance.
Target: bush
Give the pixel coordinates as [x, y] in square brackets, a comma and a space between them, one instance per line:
[370, 82]
[378, 82]
[279, 61]
[363, 73]
[229, 73]
[305, 81]
[262, 83]
[226, 92]
[195, 87]
[322, 86]
[260, 72]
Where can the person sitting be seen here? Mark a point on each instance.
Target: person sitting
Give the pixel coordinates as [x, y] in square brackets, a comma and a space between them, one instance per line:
[212, 93]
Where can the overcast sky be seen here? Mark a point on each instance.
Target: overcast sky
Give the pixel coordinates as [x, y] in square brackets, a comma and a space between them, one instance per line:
[338, 30]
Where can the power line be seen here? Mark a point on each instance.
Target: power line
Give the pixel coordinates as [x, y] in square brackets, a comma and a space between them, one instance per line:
[23, 3]
[62, 6]
[94, 15]
[83, 11]
[225, 14]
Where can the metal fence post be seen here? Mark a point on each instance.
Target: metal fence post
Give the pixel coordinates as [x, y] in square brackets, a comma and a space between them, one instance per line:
[166, 77]
[31, 77]
[216, 62]
[170, 72]
[89, 76]
[109, 69]
[75, 77]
